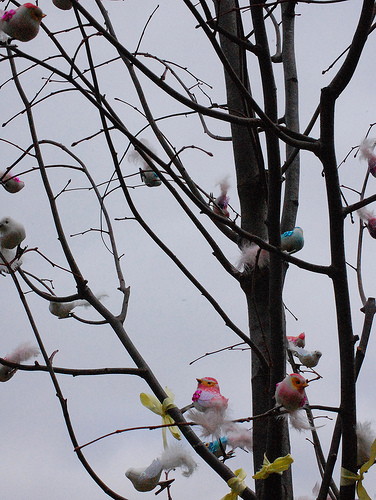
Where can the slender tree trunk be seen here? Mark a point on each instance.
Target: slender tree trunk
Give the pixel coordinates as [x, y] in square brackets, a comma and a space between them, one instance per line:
[253, 196]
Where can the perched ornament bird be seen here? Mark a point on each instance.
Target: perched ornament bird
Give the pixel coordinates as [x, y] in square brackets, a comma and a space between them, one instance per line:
[292, 241]
[309, 359]
[22, 23]
[146, 479]
[221, 203]
[11, 184]
[12, 233]
[208, 395]
[252, 254]
[369, 219]
[298, 341]
[290, 392]
[64, 309]
[148, 176]
[366, 152]
[209, 408]
[22, 353]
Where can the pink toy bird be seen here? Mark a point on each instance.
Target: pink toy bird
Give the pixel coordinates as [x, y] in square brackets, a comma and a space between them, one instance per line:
[221, 203]
[298, 341]
[290, 392]
[369, 219]
[208, 395]
[23, 23]
[366, 152]
[291, 395]
[11, 184]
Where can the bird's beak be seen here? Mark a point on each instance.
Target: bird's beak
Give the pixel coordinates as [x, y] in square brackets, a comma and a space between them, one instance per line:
[305, 384]
[199, 380]
[44, 15]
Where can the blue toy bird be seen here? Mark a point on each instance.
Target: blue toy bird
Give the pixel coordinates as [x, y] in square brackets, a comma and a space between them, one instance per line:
[148, 176]
[292, 241]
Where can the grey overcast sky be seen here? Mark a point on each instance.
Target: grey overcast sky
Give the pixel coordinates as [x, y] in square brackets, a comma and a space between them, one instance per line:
[168, 320]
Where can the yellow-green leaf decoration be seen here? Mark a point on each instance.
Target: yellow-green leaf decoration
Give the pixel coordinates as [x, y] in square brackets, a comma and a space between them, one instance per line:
[236, 484]
[279, 465]
[348, 477]
[153, 404]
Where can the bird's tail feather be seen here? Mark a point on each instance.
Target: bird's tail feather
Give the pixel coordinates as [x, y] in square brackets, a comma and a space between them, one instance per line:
[175, 456]
[23, 352]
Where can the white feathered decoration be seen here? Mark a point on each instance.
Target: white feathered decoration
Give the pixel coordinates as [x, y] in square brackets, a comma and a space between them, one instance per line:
[64, 309]
[23, 352]
[146, 479]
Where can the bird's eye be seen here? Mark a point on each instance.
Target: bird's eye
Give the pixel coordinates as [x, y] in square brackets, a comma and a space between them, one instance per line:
[297, 381]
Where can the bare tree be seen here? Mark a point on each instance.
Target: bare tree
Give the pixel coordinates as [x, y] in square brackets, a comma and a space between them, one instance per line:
[79, 64]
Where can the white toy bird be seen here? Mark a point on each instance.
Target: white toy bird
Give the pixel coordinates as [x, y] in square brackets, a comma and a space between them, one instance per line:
[309, 359]
[22, 353]
[22, 23]
[64, 309]
[146, 479]
[12, 233]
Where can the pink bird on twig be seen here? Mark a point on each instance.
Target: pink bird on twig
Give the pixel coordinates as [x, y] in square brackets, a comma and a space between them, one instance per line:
[298, 341]
[208, 395]
[221, 203]
[369, 219]
[366, 152]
